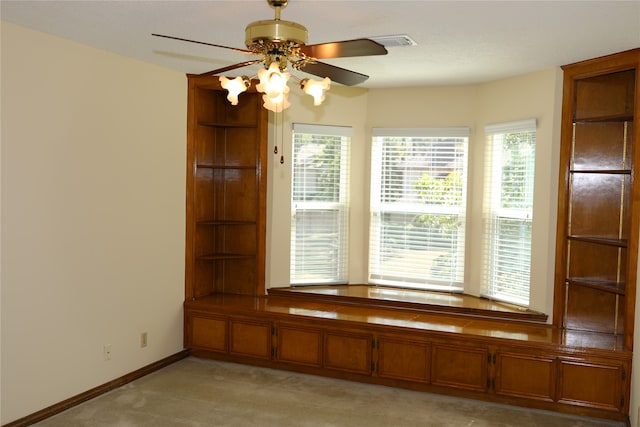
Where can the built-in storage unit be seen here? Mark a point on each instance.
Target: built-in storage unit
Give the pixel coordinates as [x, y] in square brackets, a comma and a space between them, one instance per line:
[580, 364]
[598, 209]
[527, 364]
[226, 191]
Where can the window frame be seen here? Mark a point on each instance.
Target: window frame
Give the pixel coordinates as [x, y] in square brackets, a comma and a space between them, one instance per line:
[340, 206]
[492, 213]
[378, 208]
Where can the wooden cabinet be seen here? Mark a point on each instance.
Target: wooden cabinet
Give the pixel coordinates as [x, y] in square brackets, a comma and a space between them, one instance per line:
[226, 192]
[593, 383]
[526, 375]
[598, 207]
[348, 351]
[299, 344]
[458, 366]
[529, 374]
[403, 359]
[250, 337]
[206, 333]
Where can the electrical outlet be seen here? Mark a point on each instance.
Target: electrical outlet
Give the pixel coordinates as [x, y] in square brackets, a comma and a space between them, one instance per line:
[107, 352]
[143, 339]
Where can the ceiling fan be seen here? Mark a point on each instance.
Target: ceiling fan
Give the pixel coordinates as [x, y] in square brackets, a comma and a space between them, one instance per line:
[281, 43]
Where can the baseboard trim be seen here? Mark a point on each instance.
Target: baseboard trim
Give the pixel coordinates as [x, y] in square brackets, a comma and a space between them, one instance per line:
[97, 391]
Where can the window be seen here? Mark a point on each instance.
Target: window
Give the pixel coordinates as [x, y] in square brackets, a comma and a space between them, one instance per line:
[508, 208]
[418, 207]
[320, 204]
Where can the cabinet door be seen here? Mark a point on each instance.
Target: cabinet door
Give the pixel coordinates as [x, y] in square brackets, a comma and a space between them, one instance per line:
[403, 359]
[459, 367]
[301, 345]
[592, 384]
[207, 333]
[524, 375]
[350, 352]
[250, 338]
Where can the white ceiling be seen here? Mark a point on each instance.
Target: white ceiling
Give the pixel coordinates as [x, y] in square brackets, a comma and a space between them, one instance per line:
[458, 41]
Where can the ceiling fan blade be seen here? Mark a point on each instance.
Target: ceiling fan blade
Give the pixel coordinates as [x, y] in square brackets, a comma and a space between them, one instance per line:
[358, 47]
[205, 43]
[230, 67]
[336, 74]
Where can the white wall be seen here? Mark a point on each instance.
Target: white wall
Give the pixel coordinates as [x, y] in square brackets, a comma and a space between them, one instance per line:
[93, 191]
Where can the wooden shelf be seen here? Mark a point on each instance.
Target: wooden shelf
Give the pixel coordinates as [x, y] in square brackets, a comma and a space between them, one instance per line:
[609, 241]
[603, 171]
[230, 167]
[600, 284]
[227, 125]
[225, 222]
[224, 257]
[225, 238]
[613, 118]
[598, 219]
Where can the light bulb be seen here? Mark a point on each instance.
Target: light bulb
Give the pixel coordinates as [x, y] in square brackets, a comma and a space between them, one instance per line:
[316, 88]
[273, 82]
[235, 87]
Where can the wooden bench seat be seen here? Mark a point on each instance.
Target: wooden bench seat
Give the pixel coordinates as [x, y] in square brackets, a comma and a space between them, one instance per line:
[527, 363]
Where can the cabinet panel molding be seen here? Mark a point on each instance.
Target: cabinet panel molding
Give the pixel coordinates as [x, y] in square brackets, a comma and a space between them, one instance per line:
[350, 352]
[593, 384]
[209, 333]
[524, 375]
[460, 367]
[299, 344]
[250, 338]
[404, 359]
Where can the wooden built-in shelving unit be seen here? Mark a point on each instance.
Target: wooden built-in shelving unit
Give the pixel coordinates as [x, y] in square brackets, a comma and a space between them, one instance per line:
[581, 364]
[598, 209]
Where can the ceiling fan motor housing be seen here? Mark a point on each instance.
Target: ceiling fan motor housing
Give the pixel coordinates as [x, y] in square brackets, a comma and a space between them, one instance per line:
[275, 31]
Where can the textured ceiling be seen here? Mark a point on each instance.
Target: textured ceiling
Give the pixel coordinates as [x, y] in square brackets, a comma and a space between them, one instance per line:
[457, 41]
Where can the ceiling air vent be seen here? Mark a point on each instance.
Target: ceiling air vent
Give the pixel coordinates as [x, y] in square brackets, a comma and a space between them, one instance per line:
[399, 40]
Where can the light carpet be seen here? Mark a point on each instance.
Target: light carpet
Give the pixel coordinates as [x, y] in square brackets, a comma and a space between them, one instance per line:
[198, 393]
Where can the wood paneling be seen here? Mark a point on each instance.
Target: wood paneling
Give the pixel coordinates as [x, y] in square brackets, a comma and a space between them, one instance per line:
[300, 345]
[598, 199]
[591, 384]
[576, 372]
[524, 375]
[348, 352]
[404, 359]
[208, 333]
[459, 367]
[250, 338]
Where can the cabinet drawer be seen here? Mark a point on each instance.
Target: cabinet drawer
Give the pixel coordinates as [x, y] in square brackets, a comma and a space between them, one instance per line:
[207, 333]
[592, 384]
[348, 352]
[459, 367]
[250, 338]
[405, 360]
[523, 375]
[299, 345]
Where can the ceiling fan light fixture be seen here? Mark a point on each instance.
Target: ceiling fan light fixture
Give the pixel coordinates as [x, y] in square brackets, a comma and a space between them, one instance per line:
[273, 85]
[316, 88]
[235, 87]
[273, 82]
[281, 43]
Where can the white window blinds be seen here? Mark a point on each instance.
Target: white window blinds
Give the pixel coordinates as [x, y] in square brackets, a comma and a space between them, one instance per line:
[418, 207]
[320, 204]
[508, 210]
